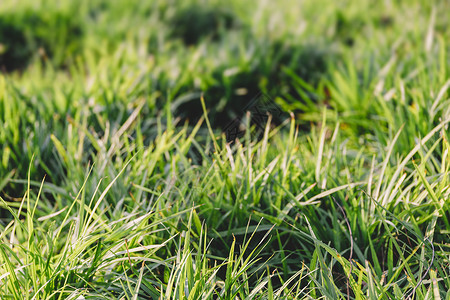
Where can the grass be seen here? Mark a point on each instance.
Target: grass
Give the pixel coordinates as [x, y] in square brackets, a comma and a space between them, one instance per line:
[117, 180]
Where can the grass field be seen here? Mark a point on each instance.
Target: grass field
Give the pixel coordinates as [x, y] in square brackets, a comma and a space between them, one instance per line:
[119, 178]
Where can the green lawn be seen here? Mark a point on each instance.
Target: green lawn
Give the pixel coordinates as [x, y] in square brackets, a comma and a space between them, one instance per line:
[119, 178]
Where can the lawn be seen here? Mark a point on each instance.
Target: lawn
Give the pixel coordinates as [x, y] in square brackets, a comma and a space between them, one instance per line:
[199, 149]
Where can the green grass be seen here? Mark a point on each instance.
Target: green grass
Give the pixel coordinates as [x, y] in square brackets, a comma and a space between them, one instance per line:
[117, 180]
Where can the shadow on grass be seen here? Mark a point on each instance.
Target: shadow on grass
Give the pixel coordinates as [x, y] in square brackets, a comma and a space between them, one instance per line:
[52, 35]
[280, 73]
[196, 22]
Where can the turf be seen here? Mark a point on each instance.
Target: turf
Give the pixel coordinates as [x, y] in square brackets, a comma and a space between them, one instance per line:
[138, 161]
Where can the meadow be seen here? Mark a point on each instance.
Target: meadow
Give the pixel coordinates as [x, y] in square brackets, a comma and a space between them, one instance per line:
[119, 178]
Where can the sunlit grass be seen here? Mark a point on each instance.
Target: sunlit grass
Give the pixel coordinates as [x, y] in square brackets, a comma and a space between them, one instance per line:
[118, 182]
